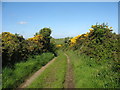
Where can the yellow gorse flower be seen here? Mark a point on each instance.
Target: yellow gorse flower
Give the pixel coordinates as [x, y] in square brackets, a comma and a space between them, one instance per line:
[91, 29]
[93, 26]
[86, 34]
[59, 45]
[36, 38]
[73, 40]
[110, 27]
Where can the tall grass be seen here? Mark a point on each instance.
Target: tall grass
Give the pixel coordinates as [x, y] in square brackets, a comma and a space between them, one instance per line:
[53, 76]
[90, 74]
[13, 77]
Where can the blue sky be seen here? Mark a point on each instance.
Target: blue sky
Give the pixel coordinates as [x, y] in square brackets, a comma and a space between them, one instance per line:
[64, 18]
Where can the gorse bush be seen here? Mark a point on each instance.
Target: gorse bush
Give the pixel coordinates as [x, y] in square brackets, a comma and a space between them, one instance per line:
[102, 45]
[15, 48]
[99, 43]
[12, 77]
[16, 52]
[36, 44]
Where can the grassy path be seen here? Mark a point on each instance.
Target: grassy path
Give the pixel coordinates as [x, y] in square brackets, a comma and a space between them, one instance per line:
[59, 74]
[68, 70]
[53, 76]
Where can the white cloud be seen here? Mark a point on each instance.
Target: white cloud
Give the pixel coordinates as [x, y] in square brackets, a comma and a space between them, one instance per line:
[22, 22]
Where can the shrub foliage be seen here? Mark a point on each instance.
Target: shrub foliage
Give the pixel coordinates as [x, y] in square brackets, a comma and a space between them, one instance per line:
[15, 48]
[103, 45]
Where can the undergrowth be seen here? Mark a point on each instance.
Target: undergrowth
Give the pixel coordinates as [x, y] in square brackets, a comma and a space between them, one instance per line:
[12, 77]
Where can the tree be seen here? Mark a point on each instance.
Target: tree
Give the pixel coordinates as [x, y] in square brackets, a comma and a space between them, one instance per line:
[45, 32]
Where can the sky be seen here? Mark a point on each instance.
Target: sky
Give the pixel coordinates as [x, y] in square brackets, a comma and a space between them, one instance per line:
[61, 0]
[66, 19]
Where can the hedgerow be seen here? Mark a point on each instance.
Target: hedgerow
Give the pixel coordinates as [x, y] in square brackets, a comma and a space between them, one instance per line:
[102, 45]
[15, 48]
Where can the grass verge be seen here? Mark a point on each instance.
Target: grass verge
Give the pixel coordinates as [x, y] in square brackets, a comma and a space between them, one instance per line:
[53, 76]
[14, 77]
[90, 74]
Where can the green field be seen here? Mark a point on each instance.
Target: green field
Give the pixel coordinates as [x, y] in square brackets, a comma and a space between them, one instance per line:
[58, 41]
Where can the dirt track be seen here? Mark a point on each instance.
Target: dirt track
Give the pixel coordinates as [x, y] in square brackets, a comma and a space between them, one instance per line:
[69, 82]
[35, 75]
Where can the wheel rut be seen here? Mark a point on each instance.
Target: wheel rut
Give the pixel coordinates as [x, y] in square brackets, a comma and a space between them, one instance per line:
[69, 80]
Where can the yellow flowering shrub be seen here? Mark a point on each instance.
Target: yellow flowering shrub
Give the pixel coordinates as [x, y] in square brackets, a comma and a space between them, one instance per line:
[91, 29]
[36, 38]
[86, 35]
[93, 26]
[110, 27]
[13, 46]
[36, 43]
[59, 45]
[73, 41]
